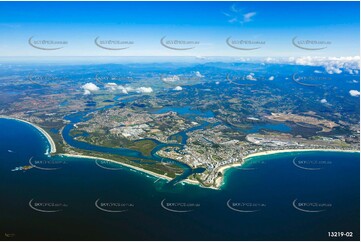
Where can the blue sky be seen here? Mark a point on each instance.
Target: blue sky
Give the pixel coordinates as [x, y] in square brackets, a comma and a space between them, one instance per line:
[209, 23]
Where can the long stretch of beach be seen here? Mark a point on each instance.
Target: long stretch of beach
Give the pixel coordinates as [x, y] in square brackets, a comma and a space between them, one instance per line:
[48, 137]
[122, 164]
[271, 152]
[157, 175]
[219, 181]
[53, 150]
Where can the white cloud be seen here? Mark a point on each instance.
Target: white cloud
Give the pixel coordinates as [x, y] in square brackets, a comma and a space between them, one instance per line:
[323, 100]
[129, 89]
[251, 77]
[198, 74]
[333, 69]
[126, 89]
[178, 88]
[89, 88]
[217, 83]
[201, 57]
[247, 17]
[270, 60]
[144, 90]
[237, 15]
[171, 78]
[111, 86]
[354, 93]
[332, 65]
[122, 89]
[271, 78]
[242, 59]
[317, 71]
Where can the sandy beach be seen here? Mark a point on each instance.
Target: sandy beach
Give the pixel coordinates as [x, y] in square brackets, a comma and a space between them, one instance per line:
[122, 164]
[48, 137]
[156, 175]
[219, 181]
[296, 150]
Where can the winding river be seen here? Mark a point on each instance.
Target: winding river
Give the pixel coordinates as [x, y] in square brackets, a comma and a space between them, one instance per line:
[84, 116]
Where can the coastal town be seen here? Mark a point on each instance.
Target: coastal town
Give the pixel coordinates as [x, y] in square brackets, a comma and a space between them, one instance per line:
[180, 120]
[200, 129]
[214, 148]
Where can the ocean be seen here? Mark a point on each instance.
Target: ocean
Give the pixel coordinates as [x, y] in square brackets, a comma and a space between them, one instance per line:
[285, 196]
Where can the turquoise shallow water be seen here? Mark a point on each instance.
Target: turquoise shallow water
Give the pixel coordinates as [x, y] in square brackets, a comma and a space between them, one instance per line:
[263, 200]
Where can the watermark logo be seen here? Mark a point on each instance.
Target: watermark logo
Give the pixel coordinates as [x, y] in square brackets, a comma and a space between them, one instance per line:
[310, 44]
[113, 207]
[43, 44]
[245, 168]
[311, 81]
[47, 207]
[311, 207]
[46, 165]
[108, 165]
[9, 235]
[251, 165]
[113, 44]
[179, 207]
[245, 207]
[244, 44]
[175, 44]
[245, 80]
[311, 165]
[182, 80]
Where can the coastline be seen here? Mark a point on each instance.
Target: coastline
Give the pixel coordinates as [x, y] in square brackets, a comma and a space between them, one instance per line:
[272, 152]
[53, 151]
[156, 175]
[218, 182]
[47, 136]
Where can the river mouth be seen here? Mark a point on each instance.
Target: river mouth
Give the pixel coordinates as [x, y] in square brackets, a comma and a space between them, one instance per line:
[133, 154]
[127, 198]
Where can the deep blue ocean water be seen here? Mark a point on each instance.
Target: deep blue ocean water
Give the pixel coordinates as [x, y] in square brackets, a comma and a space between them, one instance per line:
[262, 200]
